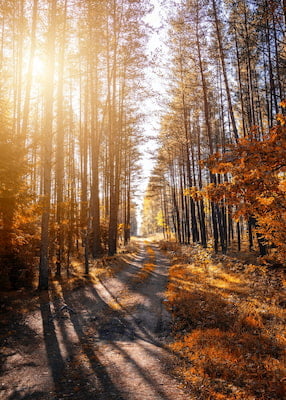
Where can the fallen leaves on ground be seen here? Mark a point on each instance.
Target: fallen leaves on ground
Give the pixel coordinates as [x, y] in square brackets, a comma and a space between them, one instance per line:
[228, 326]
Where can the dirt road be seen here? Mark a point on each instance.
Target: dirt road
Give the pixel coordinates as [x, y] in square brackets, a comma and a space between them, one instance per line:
[104, 341]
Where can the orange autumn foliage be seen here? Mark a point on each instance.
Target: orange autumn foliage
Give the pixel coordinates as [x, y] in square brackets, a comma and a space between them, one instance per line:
[257, 184]
[231, 336]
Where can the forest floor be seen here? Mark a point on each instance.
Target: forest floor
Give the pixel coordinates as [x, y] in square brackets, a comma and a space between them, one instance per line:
[111, 343]
[184, 324]
[229, 324]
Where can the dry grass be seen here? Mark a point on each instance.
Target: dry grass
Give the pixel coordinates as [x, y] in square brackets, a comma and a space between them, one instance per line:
[100, 268]
[229, 326]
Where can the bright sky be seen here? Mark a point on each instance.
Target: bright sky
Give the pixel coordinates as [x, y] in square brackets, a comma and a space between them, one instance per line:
[153, 105]
[155, 83]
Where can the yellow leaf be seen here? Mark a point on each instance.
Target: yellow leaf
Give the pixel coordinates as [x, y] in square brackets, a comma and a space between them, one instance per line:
[266, 201]
[281, 118]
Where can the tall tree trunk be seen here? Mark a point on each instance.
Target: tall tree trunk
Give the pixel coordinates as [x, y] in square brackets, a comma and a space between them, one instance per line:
[47, 149]
[209, 136]
[96, 132]
[60, 151]
[26, 108]
[222, 60]
[95, 143]
[19, 68]
[113, 139]
[194, 225]
[242, 104]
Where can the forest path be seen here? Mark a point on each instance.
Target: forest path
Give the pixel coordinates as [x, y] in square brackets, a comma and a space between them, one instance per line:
[110, 345]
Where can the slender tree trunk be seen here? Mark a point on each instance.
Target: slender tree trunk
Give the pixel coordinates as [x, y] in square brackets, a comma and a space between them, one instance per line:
[113, 141]
[222, 59]
[250, 71]
[60, 152]
[95, 143]
[209, 135]
[26, 108]
[47, 150]
[19, 69]
[201, 205]
[238, 236]
[244, 126]
[273, 95]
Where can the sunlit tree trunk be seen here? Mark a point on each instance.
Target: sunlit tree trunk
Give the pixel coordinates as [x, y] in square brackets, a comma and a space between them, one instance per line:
[225, 77]
[95, 16]
[209, 135]
[18, 83]
[113, 134]
[72, 189]
[47, 137]
[201, 205]
[29, 77]
[84, 209]
[60, 146]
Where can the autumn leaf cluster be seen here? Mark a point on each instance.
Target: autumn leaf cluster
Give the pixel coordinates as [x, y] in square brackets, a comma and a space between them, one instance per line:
[256, 184]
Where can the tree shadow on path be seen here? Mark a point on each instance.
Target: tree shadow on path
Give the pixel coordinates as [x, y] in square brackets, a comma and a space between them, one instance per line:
[55, 361]
[98, 373]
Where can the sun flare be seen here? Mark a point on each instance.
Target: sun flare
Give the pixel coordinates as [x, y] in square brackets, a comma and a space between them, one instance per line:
[38, 67]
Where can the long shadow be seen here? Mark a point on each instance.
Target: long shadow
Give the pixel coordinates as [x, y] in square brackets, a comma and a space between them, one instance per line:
[76, 372]
[130, 272]
[248, 343]
[126, 273]
[18, 338]
[107, 389]
[144, 374]
[110, 324]
[145, 334]
[158, 261]
[144, 289]
[54, 357]
[129, 268]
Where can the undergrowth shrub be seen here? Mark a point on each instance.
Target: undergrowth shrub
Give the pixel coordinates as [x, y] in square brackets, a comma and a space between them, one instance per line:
[170, 246]
[228, 326]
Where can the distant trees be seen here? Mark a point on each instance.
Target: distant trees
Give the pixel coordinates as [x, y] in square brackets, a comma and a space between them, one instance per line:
[153, 219]
[226, 85]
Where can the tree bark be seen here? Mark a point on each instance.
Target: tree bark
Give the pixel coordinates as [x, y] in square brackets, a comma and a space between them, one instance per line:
[47, 150]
